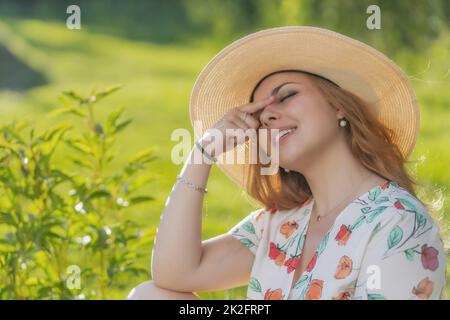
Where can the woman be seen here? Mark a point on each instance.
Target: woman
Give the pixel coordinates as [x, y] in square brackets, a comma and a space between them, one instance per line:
[340, 220]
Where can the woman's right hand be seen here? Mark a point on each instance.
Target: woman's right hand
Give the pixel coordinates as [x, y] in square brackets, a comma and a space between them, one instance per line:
[234, 119]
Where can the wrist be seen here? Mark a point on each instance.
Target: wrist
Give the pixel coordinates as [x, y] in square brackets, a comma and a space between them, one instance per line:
[206, 150]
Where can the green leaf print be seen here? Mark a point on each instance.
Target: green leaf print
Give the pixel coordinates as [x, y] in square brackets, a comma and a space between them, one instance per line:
[248, 226]
[247, 242]
[407, 204]
[374, 213]
[421, 220]
[301, 281]
[395, 236]
[358, 222]
[323, 244]
[305, 290]
[254, 285]
[375, 296]
[409, 253]
[373, 195]
[377, 227]
[381, 200]
[365, 209]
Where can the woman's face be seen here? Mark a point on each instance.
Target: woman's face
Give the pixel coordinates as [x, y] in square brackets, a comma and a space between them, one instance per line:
[300, 105]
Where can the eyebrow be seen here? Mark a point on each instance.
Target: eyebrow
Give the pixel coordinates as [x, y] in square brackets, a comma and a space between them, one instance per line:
[276, 89]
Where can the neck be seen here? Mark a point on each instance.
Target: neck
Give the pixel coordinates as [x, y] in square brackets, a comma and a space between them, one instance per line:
[335, 175]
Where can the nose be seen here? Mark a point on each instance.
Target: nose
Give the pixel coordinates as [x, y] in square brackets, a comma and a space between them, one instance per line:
[269, 114]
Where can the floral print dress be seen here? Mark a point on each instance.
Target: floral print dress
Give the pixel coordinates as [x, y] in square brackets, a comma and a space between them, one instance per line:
[383, 245]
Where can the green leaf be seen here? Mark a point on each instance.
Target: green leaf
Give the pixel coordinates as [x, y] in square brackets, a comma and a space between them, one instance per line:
[375, 213]
[377, 227]
[63, 110]
[373, 195]
[112, 119]
[99, 194]
[365, 209]
[73, 95]
[144, 156]
[375, 296]
[358, 222]
[82, 163]
[395, 236]
[381, 200]
[421, 221]
[254, 284]
[409, 253]
[120, 126]
[102, 94]
[407, 204]
[247, 242]
[79, 146]
[301, 281]
[140, 199]
[248, 226]
[52, 132]
[141, 180]
[323, 244]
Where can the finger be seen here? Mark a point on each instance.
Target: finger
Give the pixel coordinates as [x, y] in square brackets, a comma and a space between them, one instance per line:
[252, 122]
[255, 106]
[241, 124]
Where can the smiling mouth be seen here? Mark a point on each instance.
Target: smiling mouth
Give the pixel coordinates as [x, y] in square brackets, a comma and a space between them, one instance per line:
[284, 133]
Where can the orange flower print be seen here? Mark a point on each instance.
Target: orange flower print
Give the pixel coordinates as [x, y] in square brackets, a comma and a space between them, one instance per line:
[343, 235]
[344, 268]
[315, 290]
[312, 263]
[276, 254]
[346, 295]
[292, 263]
[279, 260]
[424, 288]
[273, 295]
[288, 228]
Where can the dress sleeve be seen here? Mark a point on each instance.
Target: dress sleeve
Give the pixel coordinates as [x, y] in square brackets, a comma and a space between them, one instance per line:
[404, 260]
[250, 229]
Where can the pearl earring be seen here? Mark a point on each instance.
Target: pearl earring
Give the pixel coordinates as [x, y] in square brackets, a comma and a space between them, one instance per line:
[342, 123]
[286, 170]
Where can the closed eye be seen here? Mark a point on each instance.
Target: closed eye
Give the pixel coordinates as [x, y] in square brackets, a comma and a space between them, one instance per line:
[289, 95]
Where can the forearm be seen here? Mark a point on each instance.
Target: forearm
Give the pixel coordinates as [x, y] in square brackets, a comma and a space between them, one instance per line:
[178, 244]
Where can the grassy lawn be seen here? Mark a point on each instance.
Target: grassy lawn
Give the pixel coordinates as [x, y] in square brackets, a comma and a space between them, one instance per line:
[158, 80]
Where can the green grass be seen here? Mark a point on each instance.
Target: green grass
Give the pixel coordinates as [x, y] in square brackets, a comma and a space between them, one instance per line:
[158, 80]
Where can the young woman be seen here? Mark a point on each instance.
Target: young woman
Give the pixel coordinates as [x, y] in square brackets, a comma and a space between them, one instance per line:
[340, 219]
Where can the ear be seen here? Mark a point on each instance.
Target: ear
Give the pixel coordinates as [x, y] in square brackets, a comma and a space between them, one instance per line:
[339, 114]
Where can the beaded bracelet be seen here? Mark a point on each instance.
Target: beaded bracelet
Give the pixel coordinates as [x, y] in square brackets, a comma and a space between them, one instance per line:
[190, 184]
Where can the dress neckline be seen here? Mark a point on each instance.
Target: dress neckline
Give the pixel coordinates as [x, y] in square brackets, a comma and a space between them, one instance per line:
[309, 208]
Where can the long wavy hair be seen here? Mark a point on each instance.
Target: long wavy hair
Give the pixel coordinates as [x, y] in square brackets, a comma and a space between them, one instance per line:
[369, 140]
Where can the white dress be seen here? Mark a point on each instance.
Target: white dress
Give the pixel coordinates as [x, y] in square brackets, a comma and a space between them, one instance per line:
[383, 245]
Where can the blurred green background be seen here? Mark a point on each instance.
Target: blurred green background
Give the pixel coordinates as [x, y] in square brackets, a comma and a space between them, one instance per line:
[157, 49]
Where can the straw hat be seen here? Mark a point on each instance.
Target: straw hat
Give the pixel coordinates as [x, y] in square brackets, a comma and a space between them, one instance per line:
[229, 78]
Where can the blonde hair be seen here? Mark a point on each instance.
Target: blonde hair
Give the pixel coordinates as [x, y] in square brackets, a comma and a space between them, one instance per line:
[369, 140]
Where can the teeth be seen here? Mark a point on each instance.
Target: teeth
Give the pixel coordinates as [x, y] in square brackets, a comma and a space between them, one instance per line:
[285, 132]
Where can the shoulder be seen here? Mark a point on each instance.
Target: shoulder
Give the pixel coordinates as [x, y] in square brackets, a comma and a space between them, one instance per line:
[405, 219]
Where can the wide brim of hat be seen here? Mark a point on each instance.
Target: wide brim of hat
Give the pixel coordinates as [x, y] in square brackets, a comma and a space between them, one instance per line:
[230, 76]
